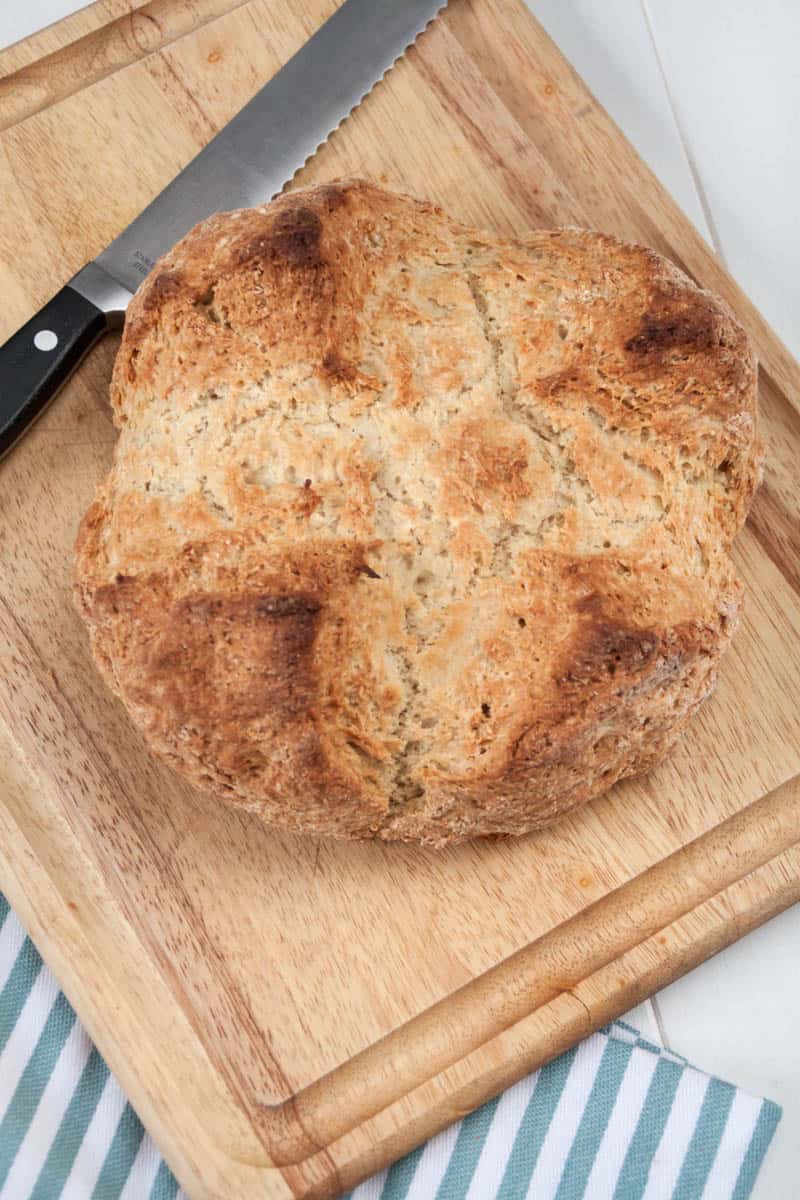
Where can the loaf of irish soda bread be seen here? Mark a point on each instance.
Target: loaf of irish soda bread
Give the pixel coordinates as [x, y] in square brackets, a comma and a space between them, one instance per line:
[412, 531]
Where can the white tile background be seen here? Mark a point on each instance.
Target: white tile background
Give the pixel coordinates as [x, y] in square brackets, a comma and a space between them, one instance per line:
[709, 93]
[21, 18]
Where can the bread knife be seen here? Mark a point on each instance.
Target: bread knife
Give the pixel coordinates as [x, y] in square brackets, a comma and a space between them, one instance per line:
[248, 162]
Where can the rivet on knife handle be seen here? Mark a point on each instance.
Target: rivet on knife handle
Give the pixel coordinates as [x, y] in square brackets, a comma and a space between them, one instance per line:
[40, 357]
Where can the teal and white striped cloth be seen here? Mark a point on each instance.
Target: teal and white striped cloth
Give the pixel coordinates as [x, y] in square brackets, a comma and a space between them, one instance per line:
[617, 1118]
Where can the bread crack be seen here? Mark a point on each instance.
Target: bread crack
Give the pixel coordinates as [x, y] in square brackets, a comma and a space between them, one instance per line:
[490, 336]
[532, 419]
[405, 792]
[211, 500]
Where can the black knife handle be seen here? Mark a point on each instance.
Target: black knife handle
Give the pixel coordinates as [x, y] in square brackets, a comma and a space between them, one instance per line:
[39, 358]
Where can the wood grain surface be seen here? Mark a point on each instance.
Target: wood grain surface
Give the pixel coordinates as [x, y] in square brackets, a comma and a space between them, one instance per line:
[289, 1015]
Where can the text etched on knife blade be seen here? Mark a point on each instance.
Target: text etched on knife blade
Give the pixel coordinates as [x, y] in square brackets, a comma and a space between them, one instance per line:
[142, 263]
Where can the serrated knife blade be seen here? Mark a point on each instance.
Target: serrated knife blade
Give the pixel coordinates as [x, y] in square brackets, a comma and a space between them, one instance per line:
[248, 162]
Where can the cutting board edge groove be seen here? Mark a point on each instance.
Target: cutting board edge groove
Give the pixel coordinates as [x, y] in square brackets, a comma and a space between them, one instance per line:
[112, 46]
[533, 976]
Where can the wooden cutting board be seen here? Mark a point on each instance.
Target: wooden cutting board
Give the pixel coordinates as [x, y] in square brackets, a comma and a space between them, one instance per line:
[289, 1015]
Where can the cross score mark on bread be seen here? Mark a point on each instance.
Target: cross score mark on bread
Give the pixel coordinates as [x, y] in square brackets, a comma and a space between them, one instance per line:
[411, 531]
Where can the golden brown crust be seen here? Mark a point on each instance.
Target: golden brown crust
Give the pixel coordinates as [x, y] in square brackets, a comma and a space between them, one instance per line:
[413, 532]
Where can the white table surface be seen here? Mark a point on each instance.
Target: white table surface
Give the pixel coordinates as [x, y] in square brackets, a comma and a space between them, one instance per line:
[709, 93]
